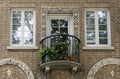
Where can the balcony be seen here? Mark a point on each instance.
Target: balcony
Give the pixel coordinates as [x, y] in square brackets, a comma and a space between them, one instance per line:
[60, 52]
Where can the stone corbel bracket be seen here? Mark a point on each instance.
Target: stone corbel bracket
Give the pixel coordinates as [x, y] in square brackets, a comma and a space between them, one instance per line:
[54, 65]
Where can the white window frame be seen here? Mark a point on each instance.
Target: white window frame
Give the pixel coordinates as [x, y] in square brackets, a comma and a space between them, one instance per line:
[22, 45]
[97, 28]
[60, 16]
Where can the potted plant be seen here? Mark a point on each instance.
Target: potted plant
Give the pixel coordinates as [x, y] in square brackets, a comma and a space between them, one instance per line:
[47, 54]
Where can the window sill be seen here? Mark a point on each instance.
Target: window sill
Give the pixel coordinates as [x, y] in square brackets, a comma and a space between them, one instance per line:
[22, 47]
[98, 48]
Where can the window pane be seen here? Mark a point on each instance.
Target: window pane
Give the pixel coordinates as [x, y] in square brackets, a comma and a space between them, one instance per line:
[55, 31]
[55, 22]
[28, 21]
[28, 28]
[16, 27]
[103, 21]
[90, 14]
[28, 17]
[16, 36]
[28, 40]
[16, 21]
[102, 14]
[22, 27]
[91, 27]
[102, 27]
[17, 14]
[29, 14]
[103, 41]
[91, 40]
[64, 23]
[97, 27]
[90, 34]
[64, 31]
[28, 37]
[102, 34]
[28, 34]
[90, 21]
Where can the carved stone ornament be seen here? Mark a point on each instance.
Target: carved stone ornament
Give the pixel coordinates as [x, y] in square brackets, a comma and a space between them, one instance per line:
[20, 64]
[100, 64]
[45, 10]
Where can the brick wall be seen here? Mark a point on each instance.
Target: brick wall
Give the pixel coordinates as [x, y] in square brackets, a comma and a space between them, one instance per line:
[88, 57]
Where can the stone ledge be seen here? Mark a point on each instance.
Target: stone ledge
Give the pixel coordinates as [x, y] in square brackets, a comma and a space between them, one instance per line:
[61, 64]
[22, 47]
[98, 48]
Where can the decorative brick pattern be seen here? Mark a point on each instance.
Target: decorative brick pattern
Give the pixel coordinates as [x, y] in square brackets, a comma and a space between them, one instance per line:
[87, 57]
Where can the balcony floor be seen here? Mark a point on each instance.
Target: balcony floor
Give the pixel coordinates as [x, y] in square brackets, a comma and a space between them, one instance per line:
[61, 64]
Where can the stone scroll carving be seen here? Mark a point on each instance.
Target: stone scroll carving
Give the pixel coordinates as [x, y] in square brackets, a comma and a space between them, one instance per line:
[21, 65]
[45, 10]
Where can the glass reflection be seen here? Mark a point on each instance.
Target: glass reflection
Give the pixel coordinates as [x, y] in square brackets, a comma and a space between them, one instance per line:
[28, 21]
[28, 40]
[90, 21]
[17, 14]
[64, 31]
[91, 40]
[16, 21]
[55, 22]
[29, 14]
[28, 37]
[102, 20]
[103, 41]
[90, 14]
[63, 23]
[54, 30]
[16, 27]
[102, 27]
[102, 14]
[90, 34]
[103, 34]
[16, 35]
[28, 17]
[28, 28]
[91, 27]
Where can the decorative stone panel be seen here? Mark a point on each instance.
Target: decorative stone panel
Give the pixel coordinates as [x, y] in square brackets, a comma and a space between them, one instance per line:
[100, 64]
[45, 10]
[16, 62]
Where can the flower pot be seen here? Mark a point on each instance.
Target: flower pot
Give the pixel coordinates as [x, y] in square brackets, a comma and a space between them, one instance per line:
[72, 58]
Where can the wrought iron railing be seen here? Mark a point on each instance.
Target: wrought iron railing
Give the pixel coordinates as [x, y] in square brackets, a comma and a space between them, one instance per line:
[60, 47]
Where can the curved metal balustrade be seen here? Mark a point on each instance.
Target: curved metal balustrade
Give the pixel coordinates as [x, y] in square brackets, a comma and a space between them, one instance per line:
[60, 52]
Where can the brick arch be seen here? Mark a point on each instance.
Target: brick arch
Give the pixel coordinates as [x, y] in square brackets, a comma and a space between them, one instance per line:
[20, 64]
[100, 64]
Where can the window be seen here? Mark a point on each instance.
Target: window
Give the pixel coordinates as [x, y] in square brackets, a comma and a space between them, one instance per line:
[97, 27]
[61, 24]
[23, 28]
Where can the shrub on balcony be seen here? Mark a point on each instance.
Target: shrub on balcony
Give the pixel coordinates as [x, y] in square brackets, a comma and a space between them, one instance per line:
[47, 54]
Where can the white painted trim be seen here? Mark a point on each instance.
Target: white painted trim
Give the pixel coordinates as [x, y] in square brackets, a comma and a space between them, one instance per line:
[97, 28]
[69, 17]
[34, 25]
[98, 48]
[22, 47]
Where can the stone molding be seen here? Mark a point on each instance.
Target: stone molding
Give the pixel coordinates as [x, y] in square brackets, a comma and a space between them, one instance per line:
[100, 64]
[20, 64]
[45, 10]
